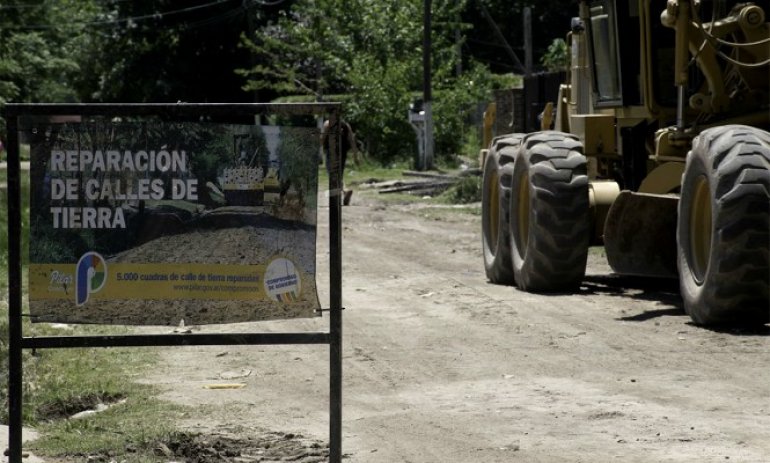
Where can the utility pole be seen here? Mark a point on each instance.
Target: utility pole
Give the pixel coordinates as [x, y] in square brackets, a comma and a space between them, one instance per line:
[427, 163]
[527, 41]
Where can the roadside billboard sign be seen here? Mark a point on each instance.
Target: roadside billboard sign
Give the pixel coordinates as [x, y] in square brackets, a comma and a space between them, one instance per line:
[148, 221]
[154, 214]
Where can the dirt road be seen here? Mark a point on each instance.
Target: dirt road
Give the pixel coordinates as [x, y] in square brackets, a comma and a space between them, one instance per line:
[441, 366]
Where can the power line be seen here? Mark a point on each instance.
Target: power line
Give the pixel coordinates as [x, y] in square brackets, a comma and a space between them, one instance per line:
[24, 6]
[155, 16]
[268, 3]
[500, 37]
[19, 7]
[213, 20]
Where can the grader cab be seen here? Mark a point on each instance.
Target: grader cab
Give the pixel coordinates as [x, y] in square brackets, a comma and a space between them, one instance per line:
[659, 150]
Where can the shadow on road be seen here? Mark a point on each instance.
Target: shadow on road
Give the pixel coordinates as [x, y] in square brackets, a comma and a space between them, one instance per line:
[664, 291]
[763, 330]
[650, 314]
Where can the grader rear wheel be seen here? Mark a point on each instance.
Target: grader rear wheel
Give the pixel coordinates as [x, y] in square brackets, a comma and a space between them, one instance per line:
[496, 193]
[723, 229]
[550, 226]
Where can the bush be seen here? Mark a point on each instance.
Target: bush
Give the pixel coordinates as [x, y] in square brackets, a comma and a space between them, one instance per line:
[454, 103]
[466, 191]
[556, 58]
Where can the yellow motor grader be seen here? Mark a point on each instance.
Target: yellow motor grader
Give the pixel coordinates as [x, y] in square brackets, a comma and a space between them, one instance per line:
[657, 148]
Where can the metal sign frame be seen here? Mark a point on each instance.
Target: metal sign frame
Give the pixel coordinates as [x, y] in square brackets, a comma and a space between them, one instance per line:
[18, 342]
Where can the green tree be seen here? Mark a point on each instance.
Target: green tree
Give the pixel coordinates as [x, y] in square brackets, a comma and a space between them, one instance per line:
[556, 58]
[128, 51]
[40, 46]
[298, 150]
[168, 51]
[38, 49]
[369, 54]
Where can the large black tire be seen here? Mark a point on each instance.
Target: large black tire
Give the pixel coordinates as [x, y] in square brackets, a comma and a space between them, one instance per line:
[723, 229]
[550, 226]
[496, 193]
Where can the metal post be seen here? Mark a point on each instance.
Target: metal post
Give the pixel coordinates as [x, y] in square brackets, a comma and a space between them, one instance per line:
[15, 333]
[335, 277]
[681, 60]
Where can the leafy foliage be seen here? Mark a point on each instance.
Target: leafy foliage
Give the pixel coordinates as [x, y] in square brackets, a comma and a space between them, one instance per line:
[174, 50]
[371, 53]
[40, 50]
[556, 58]
[466, 191]
[137, 51]
[298, 151]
